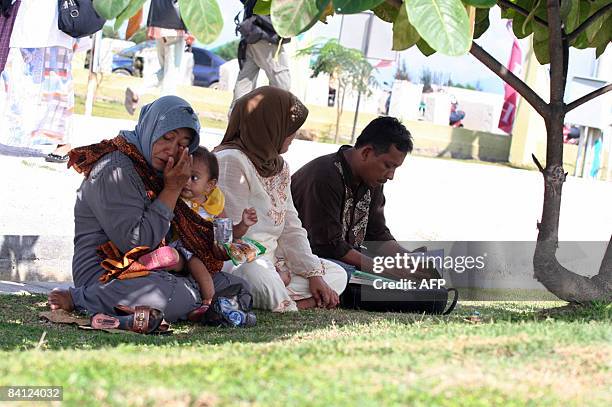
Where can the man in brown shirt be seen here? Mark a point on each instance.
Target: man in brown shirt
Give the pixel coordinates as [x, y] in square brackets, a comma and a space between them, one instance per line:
[339, 197]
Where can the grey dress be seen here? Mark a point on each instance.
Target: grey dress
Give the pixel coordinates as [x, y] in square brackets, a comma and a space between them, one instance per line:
[112, 205]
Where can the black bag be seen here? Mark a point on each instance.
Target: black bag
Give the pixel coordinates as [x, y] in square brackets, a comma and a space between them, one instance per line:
[5, 8]
[257, 28]
[368, 298]
[254, 27]
[78, 18]
[165, 14]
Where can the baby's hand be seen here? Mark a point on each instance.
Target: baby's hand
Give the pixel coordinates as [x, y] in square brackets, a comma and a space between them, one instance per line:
[249, 217]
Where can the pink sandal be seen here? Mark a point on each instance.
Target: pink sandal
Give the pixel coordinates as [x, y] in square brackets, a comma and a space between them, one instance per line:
[164, 257]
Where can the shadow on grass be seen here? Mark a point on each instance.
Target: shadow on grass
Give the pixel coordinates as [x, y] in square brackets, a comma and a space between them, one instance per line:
[20, 327]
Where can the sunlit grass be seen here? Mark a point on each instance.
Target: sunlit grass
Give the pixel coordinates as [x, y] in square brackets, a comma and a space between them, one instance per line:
[515, 355]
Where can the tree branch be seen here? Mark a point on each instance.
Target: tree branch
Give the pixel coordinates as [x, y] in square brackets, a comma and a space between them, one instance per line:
[555, 49]
[572, 36]
[582, 100]
[537, 163]
[565, 45]
[520, 10]
[511, 79]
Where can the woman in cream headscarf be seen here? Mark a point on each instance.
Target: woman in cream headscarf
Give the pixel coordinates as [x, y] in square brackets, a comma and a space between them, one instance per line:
[252, 173]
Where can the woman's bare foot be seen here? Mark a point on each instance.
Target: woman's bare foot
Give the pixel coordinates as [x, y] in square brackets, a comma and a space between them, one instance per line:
[307, 303]
[60, 299]
[286, 277]
[62, 149]
[60, 154]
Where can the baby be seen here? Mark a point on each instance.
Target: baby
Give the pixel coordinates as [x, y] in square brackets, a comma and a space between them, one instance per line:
[205, 198]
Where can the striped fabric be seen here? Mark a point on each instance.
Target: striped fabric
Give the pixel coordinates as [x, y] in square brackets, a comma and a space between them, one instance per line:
[40, 97]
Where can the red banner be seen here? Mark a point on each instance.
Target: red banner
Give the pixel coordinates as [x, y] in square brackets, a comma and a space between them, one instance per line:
[506, 120]
[384, 63]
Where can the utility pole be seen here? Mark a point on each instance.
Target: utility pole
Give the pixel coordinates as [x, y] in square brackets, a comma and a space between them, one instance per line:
[364, 48]
[94, 68]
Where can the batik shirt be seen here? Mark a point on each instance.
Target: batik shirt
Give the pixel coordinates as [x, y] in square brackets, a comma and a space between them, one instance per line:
[338, 212]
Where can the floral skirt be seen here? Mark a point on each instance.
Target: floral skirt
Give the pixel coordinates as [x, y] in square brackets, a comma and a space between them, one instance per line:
[38, 97]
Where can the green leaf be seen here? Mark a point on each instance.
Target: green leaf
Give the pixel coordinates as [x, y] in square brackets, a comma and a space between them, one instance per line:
[386, 12]
[520, 25]
[354, 6]
[603, 36]
[480, 3]
[262, 7]
[570, 14]
[597, 25]
[202, 18]
[128, 12]
[582, 42]
[404, 34]
[508, 13]
[291, 17]
[444, 24]
[600, 50]
[109, 9]
[424, 47]
[524, 26]
[481, 24]
[139, 36]
[540, 44]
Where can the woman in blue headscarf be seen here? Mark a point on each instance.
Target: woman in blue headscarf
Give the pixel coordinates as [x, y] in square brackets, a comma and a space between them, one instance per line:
[127, 203]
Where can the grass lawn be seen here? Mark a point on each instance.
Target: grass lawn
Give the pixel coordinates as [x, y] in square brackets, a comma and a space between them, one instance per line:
[516, 356]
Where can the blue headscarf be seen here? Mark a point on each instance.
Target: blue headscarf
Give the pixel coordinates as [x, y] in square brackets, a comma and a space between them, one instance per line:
[158, 118]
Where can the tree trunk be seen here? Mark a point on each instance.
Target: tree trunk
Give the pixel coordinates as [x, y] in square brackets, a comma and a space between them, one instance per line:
[547, 269]
[558, 280]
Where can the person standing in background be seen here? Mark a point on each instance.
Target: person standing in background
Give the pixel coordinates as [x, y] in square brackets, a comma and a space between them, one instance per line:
[8, 12]
[164, 24]
[260, 47]
[38, 75]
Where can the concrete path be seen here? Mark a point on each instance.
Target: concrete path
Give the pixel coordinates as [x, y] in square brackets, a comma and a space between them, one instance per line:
[31, 287]
[429, 199]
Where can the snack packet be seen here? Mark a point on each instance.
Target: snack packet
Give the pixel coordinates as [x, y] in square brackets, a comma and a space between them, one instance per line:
[244, 250]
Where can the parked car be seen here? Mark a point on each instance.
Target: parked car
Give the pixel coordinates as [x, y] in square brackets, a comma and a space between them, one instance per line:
[205, 64]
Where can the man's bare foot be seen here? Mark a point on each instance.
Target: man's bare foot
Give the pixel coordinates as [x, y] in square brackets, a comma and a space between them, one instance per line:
[60, 299]
[307, 303]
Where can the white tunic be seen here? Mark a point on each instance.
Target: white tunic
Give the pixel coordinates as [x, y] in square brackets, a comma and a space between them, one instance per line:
[278, 228]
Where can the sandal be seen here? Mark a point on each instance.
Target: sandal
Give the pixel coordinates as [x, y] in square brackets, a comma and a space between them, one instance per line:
[163, 258]
[103, 321]
[55, 158]
[140, 319]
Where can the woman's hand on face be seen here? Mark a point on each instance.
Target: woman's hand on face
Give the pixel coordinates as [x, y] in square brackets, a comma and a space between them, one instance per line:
[323, 295]
[177, 175]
